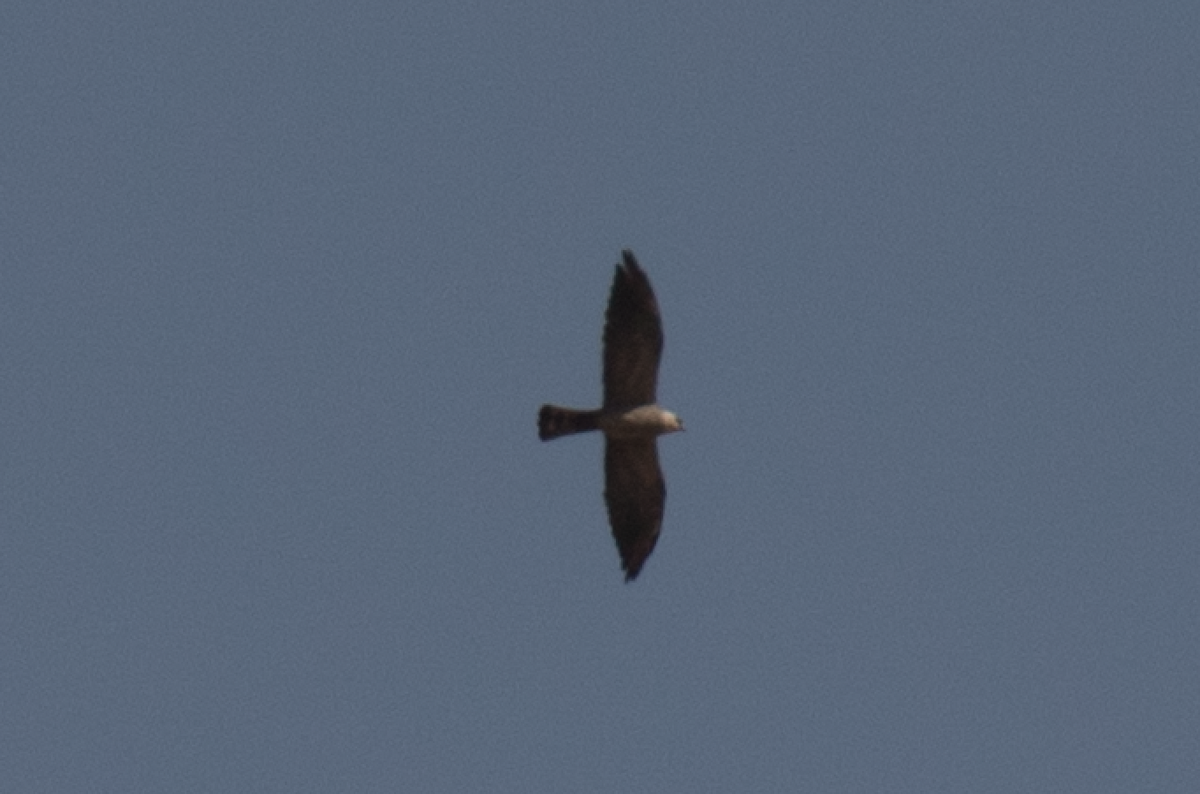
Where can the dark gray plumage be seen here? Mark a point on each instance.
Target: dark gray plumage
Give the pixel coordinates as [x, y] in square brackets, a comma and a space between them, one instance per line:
[634, 489]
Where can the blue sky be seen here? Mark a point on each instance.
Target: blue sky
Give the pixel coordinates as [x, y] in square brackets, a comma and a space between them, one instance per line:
[284, 284]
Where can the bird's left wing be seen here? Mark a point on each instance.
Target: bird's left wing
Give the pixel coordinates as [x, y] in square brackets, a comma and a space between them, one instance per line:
[636, 495]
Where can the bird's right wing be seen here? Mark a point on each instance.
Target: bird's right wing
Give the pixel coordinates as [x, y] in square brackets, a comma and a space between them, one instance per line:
[633, 338]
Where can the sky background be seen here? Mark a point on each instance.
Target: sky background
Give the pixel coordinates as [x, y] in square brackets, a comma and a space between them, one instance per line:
[282, 286]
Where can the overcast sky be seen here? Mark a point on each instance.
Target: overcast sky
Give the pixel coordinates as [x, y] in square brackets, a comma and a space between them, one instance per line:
[282, 286]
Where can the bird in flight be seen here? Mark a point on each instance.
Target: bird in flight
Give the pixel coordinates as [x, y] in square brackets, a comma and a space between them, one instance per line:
[630, 417]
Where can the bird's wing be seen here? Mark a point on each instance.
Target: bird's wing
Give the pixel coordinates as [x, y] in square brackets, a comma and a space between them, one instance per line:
[633, 338]
[636, 494]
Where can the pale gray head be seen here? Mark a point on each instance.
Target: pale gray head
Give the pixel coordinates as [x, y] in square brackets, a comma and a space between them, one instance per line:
[671, 423]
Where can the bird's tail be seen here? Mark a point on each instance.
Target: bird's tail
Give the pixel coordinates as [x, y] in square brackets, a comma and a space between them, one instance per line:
[554, 421]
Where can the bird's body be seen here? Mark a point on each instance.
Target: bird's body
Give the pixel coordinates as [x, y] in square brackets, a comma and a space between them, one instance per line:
[630, 417]
[644, 421]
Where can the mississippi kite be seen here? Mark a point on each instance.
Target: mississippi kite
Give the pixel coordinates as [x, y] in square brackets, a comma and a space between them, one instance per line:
[630, 418]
